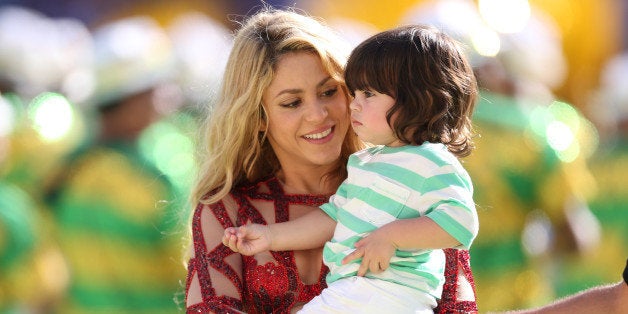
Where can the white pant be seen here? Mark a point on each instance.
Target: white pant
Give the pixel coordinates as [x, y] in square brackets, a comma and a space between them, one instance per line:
[366, 295]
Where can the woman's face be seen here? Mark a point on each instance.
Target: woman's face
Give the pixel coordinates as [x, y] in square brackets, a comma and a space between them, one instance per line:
[307, 112]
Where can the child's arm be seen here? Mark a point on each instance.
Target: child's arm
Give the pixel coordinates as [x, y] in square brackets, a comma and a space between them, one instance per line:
[379, 246]
[415, 233]
[309, 231]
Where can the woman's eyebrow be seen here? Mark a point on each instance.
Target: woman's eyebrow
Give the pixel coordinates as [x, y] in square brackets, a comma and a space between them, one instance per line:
[323, 81]
[297, 90]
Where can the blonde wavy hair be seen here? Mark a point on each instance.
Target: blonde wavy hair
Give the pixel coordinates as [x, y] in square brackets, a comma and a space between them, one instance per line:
[233, 149]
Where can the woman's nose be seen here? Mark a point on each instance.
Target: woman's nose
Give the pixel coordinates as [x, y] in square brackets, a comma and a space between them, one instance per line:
[317, 112]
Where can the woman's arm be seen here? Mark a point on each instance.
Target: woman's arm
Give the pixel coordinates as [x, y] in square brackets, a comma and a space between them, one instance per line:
[214, 280]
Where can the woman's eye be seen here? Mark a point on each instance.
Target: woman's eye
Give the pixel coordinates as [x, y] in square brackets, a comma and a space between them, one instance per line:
[330, 92]
[291, 104]
[368, 93]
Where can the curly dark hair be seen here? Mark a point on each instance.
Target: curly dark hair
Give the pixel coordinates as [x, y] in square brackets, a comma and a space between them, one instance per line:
[427, 73]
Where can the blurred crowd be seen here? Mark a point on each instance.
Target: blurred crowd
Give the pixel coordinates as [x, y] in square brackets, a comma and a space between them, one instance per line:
[99, 107]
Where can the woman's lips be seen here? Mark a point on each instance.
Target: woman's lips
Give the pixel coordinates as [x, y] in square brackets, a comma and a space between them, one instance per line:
[320, 137]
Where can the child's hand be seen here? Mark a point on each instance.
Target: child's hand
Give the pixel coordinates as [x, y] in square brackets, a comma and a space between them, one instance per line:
[376, 251]
[248, 239]
[229, 238]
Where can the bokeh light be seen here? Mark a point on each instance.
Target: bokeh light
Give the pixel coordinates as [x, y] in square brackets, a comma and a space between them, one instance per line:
[171, 150]
[505, 16]
[7, 117]
[486, 42]
[52, 116]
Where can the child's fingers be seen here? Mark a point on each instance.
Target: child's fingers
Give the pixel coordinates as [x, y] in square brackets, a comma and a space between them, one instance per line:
[384, 265]
[364, 266]
[230, 241]
[225, 236]
[356, 254]
[376, 267]
[239, 242]
[241, 232]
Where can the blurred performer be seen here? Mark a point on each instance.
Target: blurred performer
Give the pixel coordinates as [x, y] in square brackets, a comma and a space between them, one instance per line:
[32, 269]
[50, 55]
[114, 208]
[530, 178]
[38, 126]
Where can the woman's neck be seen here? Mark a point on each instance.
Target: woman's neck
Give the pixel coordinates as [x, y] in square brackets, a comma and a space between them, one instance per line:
[317, 181]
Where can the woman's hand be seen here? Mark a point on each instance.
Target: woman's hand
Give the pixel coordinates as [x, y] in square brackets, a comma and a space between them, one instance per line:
[376, 250]
[248, 239]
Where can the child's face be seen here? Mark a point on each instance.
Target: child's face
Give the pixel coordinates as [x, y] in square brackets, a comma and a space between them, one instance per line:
[368, 118]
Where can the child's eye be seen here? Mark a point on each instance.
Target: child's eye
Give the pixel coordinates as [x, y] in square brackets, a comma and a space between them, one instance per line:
[330, 92]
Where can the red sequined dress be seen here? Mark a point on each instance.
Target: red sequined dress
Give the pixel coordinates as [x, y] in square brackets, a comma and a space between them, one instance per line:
[270, 288]
[277, 287]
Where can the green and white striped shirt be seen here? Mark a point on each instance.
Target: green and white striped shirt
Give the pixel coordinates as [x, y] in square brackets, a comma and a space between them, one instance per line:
[389, 183]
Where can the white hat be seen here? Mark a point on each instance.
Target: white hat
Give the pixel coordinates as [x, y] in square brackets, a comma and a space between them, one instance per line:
[131, 56]
[41, 54]
[201, 47]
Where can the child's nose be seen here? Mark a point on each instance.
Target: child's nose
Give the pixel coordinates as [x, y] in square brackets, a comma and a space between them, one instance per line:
[353, 105]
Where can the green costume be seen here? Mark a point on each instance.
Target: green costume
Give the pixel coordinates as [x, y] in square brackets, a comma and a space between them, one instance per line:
[17, 246]
[33, 273]
[118, 229]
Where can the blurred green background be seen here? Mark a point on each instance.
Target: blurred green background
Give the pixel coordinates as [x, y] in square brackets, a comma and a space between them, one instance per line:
[99, 111]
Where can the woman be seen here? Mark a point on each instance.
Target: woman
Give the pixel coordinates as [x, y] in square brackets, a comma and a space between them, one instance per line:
[276, 145]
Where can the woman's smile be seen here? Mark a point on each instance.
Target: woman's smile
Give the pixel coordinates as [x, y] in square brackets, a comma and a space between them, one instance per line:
[322, 136]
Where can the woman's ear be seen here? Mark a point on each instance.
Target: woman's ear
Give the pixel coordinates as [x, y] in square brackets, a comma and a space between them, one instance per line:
[262, 126]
